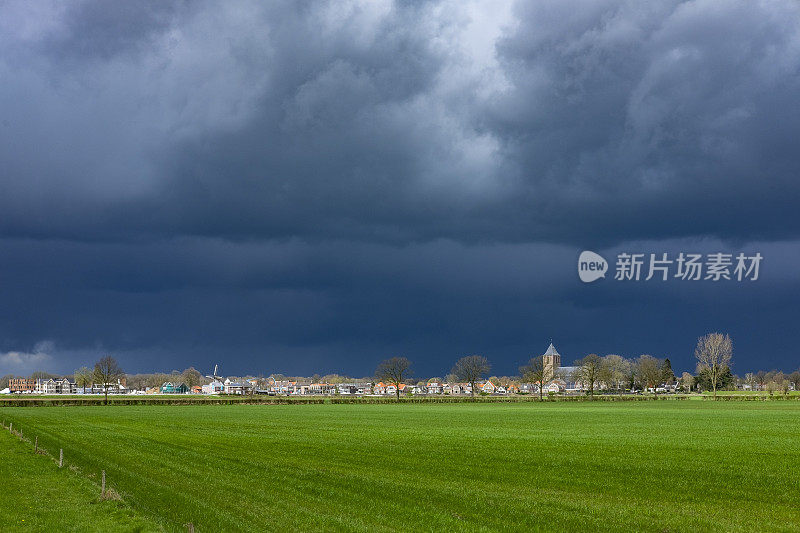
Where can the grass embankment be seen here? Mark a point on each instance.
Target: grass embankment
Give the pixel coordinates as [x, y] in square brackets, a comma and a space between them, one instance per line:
[641, 466]
[776, 395]
[94, 400]
[38, 496]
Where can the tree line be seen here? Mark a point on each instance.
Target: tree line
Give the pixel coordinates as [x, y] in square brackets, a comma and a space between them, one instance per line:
[713, 353]
[616, 373]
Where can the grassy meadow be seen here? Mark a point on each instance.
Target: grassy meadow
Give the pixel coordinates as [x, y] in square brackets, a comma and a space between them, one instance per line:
[37, 496]
[642, 466]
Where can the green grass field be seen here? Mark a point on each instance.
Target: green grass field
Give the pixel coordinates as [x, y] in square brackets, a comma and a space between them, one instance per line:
[644, 466]
[37, 496]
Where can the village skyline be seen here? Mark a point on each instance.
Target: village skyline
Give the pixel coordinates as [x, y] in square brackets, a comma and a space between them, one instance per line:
[609, 372]
[685, 363]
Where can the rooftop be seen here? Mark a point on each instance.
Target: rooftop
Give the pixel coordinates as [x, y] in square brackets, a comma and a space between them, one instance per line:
[551, 350]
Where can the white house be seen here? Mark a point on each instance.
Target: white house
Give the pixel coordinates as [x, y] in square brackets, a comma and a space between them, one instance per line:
[215, 387]
[488, 387]
[434, 388]
[237, 387]
[554, 387]
[46, 386]
[461, 388]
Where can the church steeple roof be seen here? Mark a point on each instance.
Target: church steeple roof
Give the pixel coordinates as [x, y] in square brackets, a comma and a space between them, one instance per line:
[551, 350]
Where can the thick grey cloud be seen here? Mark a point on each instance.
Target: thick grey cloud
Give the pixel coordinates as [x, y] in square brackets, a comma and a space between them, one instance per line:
[324, 183]
[404, 122]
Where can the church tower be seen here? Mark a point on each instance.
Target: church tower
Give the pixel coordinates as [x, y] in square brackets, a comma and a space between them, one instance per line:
[552, 361]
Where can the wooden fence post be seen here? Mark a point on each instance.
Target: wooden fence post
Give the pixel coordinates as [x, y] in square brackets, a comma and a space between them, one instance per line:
[36, 445]
[103, 486]
[60, 457]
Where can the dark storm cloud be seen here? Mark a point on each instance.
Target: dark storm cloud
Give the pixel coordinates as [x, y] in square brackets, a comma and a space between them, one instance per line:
[341, 306]
[609, 121]
[657, 119]
[316, 185]
[91, 30]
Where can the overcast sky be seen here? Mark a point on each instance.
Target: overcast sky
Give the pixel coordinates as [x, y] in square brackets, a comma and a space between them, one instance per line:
[306, 187]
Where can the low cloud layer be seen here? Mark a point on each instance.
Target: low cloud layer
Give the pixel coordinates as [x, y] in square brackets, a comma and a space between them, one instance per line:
[21, 363]
[315, 185]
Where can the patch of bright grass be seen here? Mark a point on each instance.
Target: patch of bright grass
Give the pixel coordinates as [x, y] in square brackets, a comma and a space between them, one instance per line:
[643, 466]
[36, 495]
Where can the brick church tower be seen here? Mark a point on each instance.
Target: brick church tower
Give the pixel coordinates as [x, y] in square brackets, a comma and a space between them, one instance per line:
[552, 360]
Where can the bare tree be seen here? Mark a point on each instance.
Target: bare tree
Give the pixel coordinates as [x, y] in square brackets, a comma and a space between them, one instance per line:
[40, 374]
[686, 381]
[794, 377]
[761, 379]
[471, 369]
[649, 371]
[192, 377]
[107, 370]
[394, 370]
[83, 377]
[782, 382]
[535, 372]
[589, 371]
[778, 377]
[714, 352]
[750, 379]
[617, 368]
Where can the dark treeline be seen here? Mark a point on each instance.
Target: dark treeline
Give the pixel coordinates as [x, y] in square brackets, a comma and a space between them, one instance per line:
[622, 375]
[593, 372]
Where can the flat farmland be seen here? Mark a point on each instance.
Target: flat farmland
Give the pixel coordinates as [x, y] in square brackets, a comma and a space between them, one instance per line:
[589, 466]
[37, 496]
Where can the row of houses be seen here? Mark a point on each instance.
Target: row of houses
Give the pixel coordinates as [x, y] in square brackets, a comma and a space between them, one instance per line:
[560, 382]
[294, 388]
[251, 386]
[61, 386]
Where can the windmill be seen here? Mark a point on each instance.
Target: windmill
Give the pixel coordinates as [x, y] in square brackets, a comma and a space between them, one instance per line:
[214, 376]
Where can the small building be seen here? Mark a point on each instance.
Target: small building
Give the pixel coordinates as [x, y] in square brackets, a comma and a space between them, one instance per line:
[65, 386]
[174, 388]
[215, 387]
[237, 387]
[21, 385]
[461, 388]
[346, 389]
[434, 387]
[46, 386]
[120, 387]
